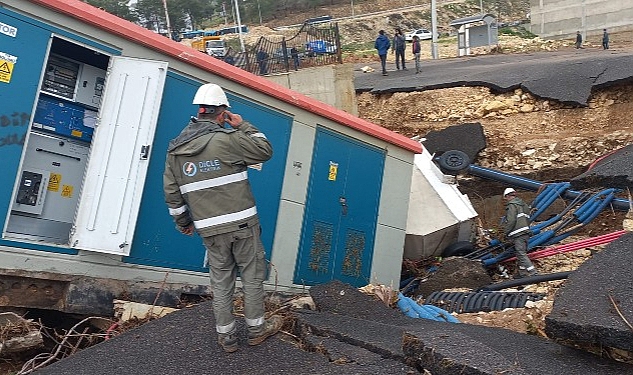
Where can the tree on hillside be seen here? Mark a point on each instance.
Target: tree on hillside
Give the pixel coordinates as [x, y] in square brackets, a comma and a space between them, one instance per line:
[117, 7]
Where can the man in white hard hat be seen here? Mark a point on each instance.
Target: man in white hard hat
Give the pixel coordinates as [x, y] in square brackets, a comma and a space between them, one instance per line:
[517, 229]
[207, 191]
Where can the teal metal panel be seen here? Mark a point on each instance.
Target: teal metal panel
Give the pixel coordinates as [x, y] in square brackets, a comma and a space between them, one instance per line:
[156, 241]
[341, 211]
[18, 91]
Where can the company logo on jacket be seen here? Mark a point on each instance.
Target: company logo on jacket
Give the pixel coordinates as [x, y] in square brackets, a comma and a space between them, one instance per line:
[189, 169]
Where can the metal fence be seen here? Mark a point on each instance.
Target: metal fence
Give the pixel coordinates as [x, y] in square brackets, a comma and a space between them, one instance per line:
[310, 46]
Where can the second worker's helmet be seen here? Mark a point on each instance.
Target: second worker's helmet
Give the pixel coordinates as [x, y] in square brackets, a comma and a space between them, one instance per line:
[210, 94]
[508, 191]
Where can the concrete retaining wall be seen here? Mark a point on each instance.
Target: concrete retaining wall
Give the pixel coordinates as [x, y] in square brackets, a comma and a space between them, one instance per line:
[331, 84]
[558, 19]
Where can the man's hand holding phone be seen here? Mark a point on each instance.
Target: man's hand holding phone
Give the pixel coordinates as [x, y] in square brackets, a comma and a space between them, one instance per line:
[232, 119]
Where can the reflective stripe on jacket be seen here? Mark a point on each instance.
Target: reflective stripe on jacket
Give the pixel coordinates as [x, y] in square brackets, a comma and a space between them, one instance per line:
[517, 218]
[205, 180]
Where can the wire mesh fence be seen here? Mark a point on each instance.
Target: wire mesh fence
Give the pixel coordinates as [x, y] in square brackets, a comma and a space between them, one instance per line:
[310, 46]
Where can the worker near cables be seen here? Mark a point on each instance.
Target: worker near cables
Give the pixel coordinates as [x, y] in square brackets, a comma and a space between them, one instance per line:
[516, 226]
[207, 191]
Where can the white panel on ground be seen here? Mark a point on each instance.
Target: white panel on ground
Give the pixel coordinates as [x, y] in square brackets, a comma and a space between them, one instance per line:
[438, 212]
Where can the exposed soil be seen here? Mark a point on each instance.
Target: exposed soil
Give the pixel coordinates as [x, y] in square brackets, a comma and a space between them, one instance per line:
[536, 138]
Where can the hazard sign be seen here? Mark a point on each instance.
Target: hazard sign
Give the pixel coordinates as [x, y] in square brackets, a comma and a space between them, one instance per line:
[6, 66]
[53, 181]
[333, 171]
[67, 191]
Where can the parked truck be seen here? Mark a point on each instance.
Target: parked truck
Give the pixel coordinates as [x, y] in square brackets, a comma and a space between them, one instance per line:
[211, 45]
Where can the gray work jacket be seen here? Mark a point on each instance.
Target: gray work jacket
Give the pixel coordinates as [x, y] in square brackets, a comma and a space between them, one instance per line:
[205, 179]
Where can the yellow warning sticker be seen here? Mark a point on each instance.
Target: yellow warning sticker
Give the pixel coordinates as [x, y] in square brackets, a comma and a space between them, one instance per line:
[333, 171]
[76, 133]
[67, 191]
[53, 182]
[6, 66]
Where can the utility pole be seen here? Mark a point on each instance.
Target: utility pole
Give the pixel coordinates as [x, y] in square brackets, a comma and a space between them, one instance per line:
[434, 53]
[239, 25]
[167, 18]
[259, 10]
[226, 21]
[352, 8]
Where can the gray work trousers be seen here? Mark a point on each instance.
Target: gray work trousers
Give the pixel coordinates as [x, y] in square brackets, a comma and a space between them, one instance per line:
[227, 253]
[520, 247]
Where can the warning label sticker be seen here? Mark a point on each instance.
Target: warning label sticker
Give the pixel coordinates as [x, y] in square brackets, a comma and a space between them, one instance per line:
[53, 181]
[6, 66]
[67, 191]
[333, 171]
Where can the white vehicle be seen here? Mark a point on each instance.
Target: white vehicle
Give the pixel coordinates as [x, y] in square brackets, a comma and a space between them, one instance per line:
[421, 33]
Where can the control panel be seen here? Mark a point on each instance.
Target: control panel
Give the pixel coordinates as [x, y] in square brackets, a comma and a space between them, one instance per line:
[64, 118]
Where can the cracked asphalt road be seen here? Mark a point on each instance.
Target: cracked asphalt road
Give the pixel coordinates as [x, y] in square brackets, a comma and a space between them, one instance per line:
[566, 76]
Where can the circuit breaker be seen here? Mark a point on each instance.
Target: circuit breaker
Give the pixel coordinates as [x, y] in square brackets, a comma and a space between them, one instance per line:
[31, 191]
[48, 192]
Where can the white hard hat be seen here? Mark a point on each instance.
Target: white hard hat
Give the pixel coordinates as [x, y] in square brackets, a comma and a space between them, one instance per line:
[508, 191]
[210, 94]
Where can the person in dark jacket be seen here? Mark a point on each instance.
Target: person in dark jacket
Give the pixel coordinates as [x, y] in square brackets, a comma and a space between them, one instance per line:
[578, 40]
[294, 53]
[262, 60]
[399, 45]
[382, 45]
[416, 49]
[207, 191]
[605, 39]
[516, 229]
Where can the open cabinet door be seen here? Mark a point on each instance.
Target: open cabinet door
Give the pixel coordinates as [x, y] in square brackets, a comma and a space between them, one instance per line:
[119, 156]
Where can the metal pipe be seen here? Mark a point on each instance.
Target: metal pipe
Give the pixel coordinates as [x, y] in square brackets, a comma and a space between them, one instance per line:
[528, 184]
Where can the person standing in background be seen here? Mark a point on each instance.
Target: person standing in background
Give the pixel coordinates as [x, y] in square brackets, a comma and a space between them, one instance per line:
[578, 40]
[399, 45]
[605, 39]
[294, 53]
[416, 49]
[382, 45]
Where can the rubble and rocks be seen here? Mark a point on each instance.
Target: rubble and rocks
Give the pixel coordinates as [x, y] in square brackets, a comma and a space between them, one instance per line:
[18, 335]
[454, 272]
[594, 308]
[529, 135]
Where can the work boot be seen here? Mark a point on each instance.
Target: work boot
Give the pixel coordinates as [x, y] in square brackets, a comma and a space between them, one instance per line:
[272, 325]
[228, 341]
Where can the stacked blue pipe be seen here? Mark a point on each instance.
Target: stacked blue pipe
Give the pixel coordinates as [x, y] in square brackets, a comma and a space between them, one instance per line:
[547, 197]
[411, 309]
[528, 184]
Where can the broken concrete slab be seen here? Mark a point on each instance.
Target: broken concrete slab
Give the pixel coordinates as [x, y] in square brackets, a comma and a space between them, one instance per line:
[185, 342]
[565, 76]
[468, 138]
[448, 348]
[583, 311]
[613, 171]
[341, 298]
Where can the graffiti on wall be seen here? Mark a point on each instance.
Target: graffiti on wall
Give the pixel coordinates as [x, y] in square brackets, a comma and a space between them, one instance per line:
[13, 128]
